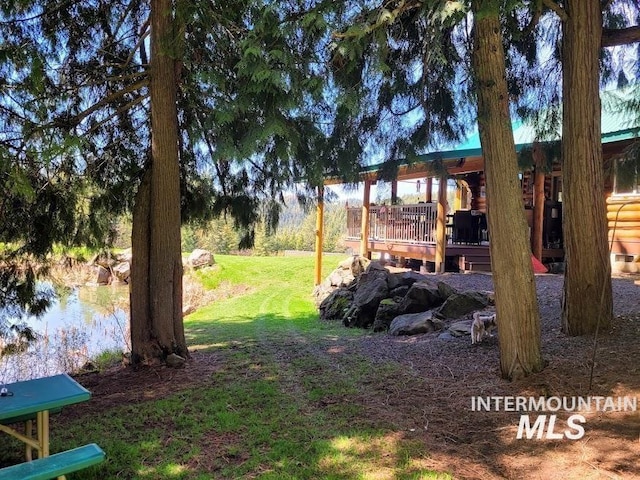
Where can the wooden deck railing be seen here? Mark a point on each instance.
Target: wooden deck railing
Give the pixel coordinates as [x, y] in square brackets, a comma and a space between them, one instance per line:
[396, 223]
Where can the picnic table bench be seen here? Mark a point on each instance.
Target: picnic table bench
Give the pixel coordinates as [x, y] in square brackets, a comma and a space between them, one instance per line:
[55, 465]
[29, 400]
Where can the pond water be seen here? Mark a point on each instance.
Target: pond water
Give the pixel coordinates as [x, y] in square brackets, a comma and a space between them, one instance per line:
[76, 328]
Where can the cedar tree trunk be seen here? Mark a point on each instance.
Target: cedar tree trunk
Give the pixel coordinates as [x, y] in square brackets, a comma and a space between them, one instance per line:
[516, 302]
[156, 291]
[587, 284]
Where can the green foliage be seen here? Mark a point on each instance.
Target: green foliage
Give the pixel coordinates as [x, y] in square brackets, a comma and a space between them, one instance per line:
[297, 230]
[74, 104]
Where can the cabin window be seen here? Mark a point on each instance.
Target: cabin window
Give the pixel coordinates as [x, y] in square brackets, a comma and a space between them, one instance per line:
[626, 178]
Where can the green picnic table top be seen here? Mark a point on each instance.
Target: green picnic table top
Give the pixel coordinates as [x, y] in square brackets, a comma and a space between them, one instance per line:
[31, 396]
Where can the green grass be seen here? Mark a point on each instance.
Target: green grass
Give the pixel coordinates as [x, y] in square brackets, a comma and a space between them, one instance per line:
[285, 401]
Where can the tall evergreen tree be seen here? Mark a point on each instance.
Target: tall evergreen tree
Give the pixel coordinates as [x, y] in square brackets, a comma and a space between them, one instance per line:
[214, 120]
[418, 87]
[587, 27]
[516, 301]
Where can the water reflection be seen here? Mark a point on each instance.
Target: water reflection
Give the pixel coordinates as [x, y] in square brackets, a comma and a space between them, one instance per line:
[77, 326]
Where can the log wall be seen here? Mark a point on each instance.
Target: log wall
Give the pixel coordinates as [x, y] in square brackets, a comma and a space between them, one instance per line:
[623, 222]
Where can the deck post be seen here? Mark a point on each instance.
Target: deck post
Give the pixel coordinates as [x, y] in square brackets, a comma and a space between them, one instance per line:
[319, 235]
[364, 235]
[457, 203]
[429, 190]
[394, 192]
[538, 201]
[441, 220]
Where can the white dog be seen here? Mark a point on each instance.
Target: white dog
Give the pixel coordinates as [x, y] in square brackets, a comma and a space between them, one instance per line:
[482, 325]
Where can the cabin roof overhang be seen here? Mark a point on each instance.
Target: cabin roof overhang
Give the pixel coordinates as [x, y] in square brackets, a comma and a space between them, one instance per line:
[618, 131]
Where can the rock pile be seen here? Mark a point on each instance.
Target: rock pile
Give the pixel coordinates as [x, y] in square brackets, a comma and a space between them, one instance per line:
[365, 294]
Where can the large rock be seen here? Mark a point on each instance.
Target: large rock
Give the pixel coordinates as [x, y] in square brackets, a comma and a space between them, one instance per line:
[460, 328]
[124, 256]
[371, 288]
[405, 279]
[460, 304]
[370, 294]
[415, 323]
[336, 305]
[344, 276]
[422, 296]
[355, 264]
[445, 290]
[103, 275]
[387, 311]
[200, 258]
[122, 271]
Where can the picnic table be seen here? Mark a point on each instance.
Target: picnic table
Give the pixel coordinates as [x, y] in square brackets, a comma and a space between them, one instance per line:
[25, 401]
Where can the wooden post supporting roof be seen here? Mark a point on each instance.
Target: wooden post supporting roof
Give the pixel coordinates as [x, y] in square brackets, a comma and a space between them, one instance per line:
[429, 190]
[364, 233]
[538, 201]
[319, 235]
[441, 220]
[457, 202]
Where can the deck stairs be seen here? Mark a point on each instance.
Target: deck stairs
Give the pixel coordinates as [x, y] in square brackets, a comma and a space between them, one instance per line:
[479, 261]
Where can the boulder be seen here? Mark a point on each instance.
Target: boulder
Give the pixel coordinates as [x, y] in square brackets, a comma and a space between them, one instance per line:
[460, 328]
[445, 290]
[355, 264]
[370, 293]
[422, 296]
[400, 291]
[406, 279]
[122, 271]
[103, 275]
[336, 305]
[356, 318]
[339, 278]
[461, 304]
[387, 311]
[200, 258]
[415, 323]
[124, 256]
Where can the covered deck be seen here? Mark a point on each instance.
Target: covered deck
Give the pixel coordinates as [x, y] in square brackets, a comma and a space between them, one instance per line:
[403, 232]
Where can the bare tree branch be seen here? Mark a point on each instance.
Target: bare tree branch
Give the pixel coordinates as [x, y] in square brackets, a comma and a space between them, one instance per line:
[622, 36]
[120, 110]
[552, 5]
[111, 98]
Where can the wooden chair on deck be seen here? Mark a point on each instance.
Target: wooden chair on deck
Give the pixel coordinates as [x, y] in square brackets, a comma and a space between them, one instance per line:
[466, 227]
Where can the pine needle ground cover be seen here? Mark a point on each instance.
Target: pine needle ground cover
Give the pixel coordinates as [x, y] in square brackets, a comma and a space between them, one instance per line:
[273, 393]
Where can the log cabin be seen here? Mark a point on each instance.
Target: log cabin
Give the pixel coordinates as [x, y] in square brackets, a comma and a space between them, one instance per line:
[439, 236]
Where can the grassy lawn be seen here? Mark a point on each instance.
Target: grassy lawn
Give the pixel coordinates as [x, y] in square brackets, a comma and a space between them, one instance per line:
[283, 402]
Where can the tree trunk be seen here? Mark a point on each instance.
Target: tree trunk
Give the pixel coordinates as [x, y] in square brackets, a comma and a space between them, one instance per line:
[587, 285]
[156, 312]
[516, 302]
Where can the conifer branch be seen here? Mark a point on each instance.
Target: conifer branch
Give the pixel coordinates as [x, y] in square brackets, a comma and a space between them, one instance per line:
[552, 5]
[120, 110]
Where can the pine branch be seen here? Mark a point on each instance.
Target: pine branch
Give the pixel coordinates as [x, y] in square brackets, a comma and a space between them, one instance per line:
[145, 32]
[120, 110]
[111, 98]
[552, 5]
[385, 17]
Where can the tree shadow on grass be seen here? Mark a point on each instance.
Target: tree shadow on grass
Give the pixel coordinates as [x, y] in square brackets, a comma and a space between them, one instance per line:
[275, 397]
